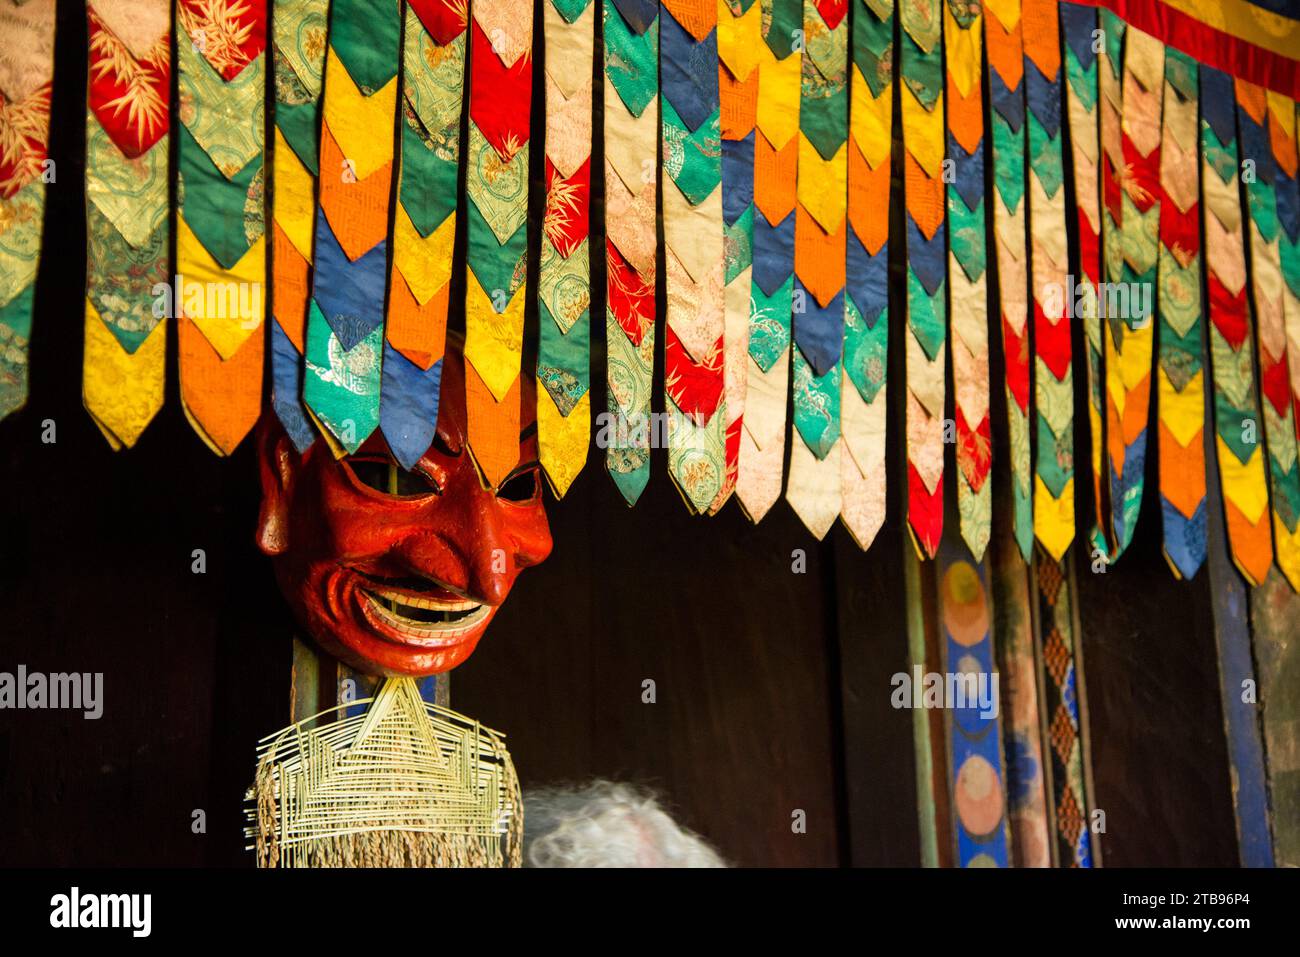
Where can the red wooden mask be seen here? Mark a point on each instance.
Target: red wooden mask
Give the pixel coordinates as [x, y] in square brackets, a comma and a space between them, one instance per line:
[395, 572]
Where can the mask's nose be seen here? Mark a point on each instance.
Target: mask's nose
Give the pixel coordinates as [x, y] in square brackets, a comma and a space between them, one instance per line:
[464, 541]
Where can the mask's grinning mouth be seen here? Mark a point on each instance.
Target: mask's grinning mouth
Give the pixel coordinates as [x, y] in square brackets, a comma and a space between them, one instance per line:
[422, 608]
[422, 613]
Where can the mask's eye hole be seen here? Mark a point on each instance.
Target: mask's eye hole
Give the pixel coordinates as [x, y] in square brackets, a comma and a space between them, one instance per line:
[383, 476]
[443, 447]
[521, 487]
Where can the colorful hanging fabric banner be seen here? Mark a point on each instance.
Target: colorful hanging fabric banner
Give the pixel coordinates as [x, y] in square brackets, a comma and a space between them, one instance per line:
[631, 38]
[1132, 193]
[424, 225]
[1049, 278]
[921, 68]
[1284, 128]
[967, 258]
[221, 217]
[496, 178]
[776, 158]
[977, 775]
[345, 319]
[820, 233]
[1180, 395]
[128, 239]
[1079, 30]
[1110, 56]
[740, 40]
[1257, 40]
[863, 399]
[694, 339]
[1236, 405]
[1024, 739]
[564, 349]
[26, 80]
[1002, 39]
[1259, 175]
[298, 44]
[1063, 697]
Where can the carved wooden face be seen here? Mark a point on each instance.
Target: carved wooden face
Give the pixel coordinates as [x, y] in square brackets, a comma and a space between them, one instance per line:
[395, 572]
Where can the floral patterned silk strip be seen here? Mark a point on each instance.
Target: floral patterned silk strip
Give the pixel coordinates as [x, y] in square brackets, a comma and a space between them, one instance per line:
[1236, 403]
[1110, 90]
[1133, 198]
[128, 240]
[967, 259]
[424, 224]
[1049, 266]
[1079, 30]
[496, 177]
[1269, 293]
[863, 399]
[345, 320]
[820, 234]
[631, 38]
[221, 219]
[740, 44]
[694, 334]
[1284, 126]
[564, 304]
[927, 321]
[776, 158]
[1002, 38]
[298, 44]
[1180, 396]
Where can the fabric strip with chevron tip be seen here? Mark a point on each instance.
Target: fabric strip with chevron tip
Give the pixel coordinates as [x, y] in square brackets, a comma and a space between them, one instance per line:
[967, 267]
[128, 206]
[776, 157]
[221, 216]
[820, 234]
[564, 295]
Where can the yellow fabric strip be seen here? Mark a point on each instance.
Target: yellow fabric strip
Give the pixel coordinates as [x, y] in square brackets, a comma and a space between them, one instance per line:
[354, 118]
[122, 391]
[295, 203]
[226, 305]
[493, 341]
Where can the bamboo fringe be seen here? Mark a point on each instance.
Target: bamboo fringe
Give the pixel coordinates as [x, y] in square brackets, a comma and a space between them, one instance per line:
[401, 784]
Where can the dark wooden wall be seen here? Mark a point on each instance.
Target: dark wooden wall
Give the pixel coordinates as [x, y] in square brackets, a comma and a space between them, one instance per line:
[1160, 762]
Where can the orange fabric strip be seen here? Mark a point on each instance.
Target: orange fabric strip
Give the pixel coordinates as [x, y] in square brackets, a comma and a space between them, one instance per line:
[739, 103]
[1253, 98]
[1004, 50]
[224, 398]
[868, 200]
[966, 116]
[1182, 471]
[819, 256]
[357, 210]
[1042, 34]
[493, 427]
[697, 16]
[1252, 545]
[290, 286]
[1137, 405]
[775, 178]
[925, 197]
[417, 332]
